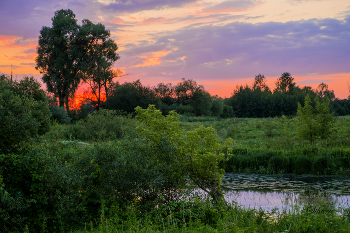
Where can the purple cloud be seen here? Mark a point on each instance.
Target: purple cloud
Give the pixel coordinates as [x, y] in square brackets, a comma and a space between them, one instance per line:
[13, 66]
[237, 5]
[242, 50]
[313, 81]
[139, 5]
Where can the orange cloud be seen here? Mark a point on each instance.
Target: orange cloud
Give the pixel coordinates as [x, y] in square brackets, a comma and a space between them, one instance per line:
[117, 21]
[152, 20]
[6, 38]
[153, 59]
[18, 58]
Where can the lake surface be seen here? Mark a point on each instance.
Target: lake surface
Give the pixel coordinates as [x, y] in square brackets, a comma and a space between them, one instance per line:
[285, 192]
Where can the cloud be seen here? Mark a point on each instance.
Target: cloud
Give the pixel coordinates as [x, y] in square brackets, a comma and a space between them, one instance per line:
[152, 20]
[313, 81]
[22, 18]
[231, 6]
[295, 2]
[28, 64]
[8, 66]
[30, 51]
[153, 59]
[140, 5]
[26, 57]
[242, 50]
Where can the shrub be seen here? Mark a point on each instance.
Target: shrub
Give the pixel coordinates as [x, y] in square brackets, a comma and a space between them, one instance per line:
[315, 122]
[323, 165]
[227, 111]
[103, 125]
[59, 114]
[20, 119]
[278, 163]
[302, 165]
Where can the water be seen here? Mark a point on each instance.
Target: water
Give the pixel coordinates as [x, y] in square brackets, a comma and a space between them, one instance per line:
[285, 192]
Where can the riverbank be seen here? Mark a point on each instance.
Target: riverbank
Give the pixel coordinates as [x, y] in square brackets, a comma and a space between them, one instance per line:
[200, 216]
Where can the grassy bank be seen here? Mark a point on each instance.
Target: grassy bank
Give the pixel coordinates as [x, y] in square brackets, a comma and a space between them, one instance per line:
[272, 146]
[200, 216]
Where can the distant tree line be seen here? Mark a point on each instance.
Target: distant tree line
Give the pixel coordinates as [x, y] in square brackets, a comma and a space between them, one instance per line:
[191, 99]
[260, 101]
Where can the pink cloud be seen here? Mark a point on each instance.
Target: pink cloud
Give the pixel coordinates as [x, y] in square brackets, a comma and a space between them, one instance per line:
[152, 20]
[117, 21]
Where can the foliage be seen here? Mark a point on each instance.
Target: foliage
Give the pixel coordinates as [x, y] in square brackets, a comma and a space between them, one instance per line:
[315, 122]
[256, 141]
[21, 117]
[59, 56]
[100, 55]
[30, 87]
[102, 125]
[217, 106]
[128, 96]
[196, 152]
[285, 83]
[59, 114]
[62, 185]
[196, 215]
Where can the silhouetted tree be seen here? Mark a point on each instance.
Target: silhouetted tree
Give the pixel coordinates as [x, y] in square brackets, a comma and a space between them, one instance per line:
[100, 54]
[285, 83]
[59, 56]
[322, 91]
[260, 83]
[128, 96]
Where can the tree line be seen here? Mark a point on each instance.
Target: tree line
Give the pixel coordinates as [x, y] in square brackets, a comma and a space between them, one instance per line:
[191, 99]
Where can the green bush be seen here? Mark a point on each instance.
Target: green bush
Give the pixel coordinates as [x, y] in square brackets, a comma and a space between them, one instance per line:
[227, 111]
[103, 125]
[278, 163]
[20, 119]
[323, 165]
[302, 164]
[59, 114]
[21, 116]
[61, 186]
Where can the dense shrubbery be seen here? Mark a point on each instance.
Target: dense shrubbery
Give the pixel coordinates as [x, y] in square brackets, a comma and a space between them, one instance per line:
[64, 184]
[23, 113]
[61, 185]
[59, 115]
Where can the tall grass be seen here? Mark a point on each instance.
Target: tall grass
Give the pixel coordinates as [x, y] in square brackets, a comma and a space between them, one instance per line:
[200, 216]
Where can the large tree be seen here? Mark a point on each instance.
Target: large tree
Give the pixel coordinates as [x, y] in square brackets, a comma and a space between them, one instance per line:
[100, 51]
[59, 56]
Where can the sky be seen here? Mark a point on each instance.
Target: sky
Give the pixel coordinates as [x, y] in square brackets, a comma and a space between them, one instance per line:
[218, 43]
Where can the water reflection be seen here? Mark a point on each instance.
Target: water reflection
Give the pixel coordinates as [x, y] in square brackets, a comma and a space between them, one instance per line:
[285, 192]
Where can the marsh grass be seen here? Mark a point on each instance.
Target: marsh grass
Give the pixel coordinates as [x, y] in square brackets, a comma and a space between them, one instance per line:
[200, 216]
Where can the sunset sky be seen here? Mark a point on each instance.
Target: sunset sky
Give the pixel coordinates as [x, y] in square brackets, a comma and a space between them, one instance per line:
[218, 43]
